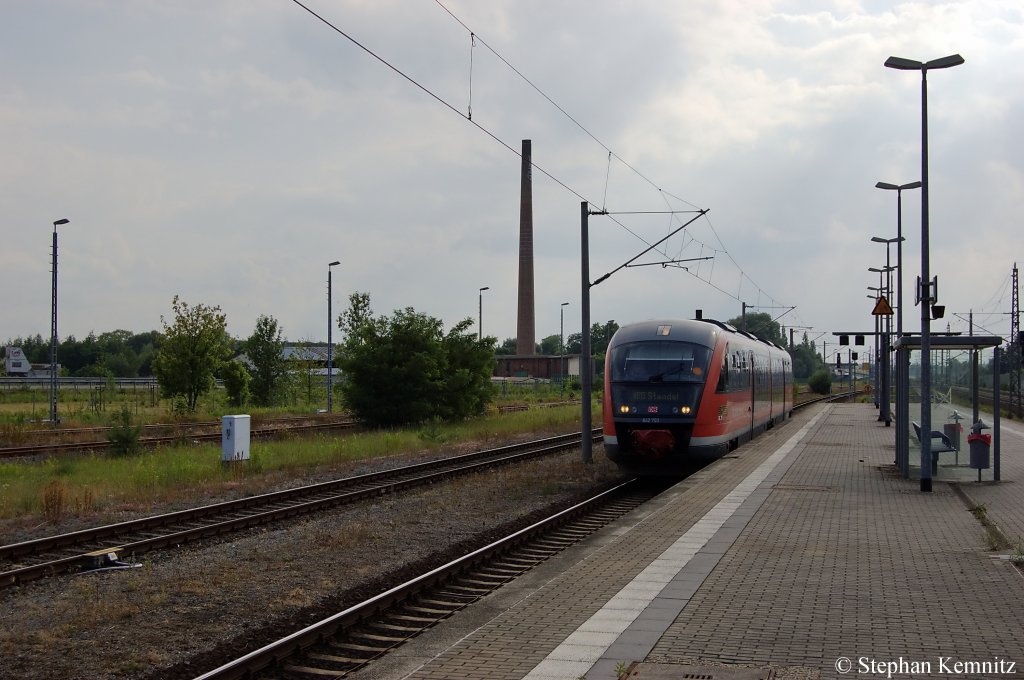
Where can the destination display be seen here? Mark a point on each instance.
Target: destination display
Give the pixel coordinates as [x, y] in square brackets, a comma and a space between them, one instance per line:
[653, 396]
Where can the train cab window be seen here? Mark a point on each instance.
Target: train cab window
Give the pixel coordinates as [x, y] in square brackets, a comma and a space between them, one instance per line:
[659, 361]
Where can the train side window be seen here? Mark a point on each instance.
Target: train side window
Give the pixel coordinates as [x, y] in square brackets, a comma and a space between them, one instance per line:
[723, 374]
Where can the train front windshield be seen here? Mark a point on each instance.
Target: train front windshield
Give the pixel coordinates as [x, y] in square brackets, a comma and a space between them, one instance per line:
[660, 362]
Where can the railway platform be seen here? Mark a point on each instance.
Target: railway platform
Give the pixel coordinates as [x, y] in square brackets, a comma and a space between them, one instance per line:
[803, 554]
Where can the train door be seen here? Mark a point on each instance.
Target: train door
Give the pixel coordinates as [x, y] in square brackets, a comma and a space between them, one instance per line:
[753, 390]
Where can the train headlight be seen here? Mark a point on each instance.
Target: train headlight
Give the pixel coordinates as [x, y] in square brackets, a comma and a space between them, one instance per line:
[623, 409]
[685, 410]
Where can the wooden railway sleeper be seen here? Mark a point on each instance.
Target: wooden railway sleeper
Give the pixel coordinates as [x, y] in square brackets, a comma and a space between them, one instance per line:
[489, 584]
[388, 640]
[447, 604]
[413, 619]
[468, 592]
[316, 672]
[358, 648]
[505, 572]
[334, 658]
[501, 575]
[441, 613]
[516, 563]
[394, 627]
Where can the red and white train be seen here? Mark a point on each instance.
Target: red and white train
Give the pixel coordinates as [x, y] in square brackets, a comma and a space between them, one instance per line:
[678, 392]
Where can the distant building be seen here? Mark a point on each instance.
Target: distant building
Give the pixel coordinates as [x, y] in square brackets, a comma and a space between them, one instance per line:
[536, 366]
[17, 365]
[312, 357]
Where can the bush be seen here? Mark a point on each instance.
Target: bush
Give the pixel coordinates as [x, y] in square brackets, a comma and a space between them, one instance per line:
[821, 382]
[124, 435]
[406, 369]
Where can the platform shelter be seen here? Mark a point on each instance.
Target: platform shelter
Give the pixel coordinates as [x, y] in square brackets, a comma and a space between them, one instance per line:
[950, 442]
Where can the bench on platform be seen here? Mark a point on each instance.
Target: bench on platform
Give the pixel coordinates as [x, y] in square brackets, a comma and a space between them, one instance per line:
[942, 445]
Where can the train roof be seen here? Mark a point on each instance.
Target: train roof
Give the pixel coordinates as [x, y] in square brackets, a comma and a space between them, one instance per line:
[701, 331]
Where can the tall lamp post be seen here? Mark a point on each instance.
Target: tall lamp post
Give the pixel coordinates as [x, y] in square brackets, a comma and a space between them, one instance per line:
[878, 355]
[925, 292]
[898, 188]
[330, 344]
[561, 347]
[885, 412]
[53, 329]
[480, 321]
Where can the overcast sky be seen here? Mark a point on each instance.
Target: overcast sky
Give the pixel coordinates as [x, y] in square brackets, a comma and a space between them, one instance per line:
[228, 151]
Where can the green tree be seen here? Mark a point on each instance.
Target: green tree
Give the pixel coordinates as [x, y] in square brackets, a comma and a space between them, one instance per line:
[236, 382]
[302, 368]
[405, 369]
[761, 325]
[806, 361]
[600, 335]
[264, 349]
[549, 346]
[507, 347]
[191, 351]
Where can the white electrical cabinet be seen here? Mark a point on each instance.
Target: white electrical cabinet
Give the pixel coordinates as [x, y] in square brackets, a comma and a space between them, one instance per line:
[234, 438]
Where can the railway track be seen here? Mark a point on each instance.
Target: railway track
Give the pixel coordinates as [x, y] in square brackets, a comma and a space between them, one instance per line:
[349, 640]
[165, 434]
[189, 433]
[107, 545]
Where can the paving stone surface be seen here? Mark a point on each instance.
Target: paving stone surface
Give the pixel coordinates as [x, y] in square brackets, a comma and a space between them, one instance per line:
[827, 558]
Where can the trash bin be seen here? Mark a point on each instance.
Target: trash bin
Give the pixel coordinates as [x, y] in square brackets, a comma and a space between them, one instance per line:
[952, 430]
[979, 444]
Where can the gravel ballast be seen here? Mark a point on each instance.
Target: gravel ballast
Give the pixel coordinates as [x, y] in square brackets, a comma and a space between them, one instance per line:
[182, 612]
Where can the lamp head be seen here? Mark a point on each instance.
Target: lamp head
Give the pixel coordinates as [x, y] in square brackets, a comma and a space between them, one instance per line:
[331, 264]
[903, 64]
[945, 62]
[61, 221]
[485, 288]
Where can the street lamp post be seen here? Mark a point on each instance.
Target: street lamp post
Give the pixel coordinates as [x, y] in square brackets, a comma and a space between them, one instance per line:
[480, 311]
[53, 329]
[885, 413]
[561, 348]
[925, 292]
[898, 188]
[878, 355]
[330, 344]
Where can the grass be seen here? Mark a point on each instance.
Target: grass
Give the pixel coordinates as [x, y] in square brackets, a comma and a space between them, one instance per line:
[78, 486]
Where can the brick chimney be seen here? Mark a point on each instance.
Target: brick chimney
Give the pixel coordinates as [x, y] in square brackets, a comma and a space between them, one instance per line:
[526, 344]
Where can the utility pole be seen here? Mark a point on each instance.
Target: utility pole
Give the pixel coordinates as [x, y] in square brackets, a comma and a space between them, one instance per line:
[586, 374]
[974, 371]
[586, 445]
[1015, 349]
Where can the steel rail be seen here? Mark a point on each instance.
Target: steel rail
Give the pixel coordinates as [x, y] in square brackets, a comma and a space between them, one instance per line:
[267, 422]
[99, 445]
[320, 632]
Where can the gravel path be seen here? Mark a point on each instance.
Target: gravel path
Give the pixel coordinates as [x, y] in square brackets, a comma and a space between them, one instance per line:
[178, 614]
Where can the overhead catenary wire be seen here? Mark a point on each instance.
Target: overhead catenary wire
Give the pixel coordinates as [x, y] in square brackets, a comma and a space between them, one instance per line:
[474, 38]
[435, 96]
[611, 154]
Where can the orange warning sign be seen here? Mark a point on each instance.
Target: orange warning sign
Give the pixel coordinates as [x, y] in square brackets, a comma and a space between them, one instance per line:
[882, 307]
